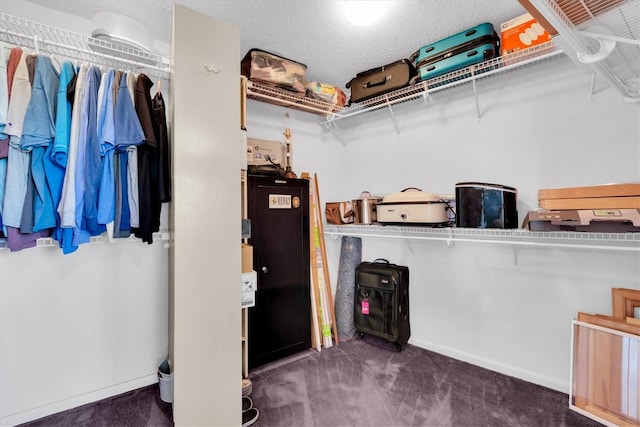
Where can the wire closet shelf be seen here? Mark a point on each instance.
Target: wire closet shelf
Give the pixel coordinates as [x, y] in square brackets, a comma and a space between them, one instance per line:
[604, 35]
[516, 237]
[332, 113]
[492, 67]
[72, 46]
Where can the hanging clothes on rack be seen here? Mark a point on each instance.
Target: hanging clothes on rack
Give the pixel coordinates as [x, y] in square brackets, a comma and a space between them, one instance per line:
[55, 158]
[5, 53]
[26, 220]
[164, 166]
[128, 133]
[7, 69]
[106, 136]
[88, 162]
[132, 165]
[69, 160]
[18, 160]
[67, 205]
[147, 159]
[37, 135]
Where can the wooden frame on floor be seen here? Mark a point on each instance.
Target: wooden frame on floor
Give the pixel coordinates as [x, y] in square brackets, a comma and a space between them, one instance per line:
[624, 302]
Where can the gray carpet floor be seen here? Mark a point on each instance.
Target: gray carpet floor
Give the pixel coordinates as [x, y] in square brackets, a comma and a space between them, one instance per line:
[366, 382]
[138, 408]
[361, 382]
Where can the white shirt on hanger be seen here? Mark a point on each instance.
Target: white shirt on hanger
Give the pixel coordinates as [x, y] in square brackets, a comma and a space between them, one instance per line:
[67, 206]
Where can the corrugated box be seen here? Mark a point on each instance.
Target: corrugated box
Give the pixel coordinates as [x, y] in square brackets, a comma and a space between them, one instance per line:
[521, 32]
[247, 258]
[607, 196]
[588, 220]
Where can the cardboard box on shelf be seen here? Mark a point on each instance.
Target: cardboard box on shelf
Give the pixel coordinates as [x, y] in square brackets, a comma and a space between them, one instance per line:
[247, 258]
[521, 32]
[605, 190]
[589, 220]
[538, 17]
[249, 283]
[591, 203]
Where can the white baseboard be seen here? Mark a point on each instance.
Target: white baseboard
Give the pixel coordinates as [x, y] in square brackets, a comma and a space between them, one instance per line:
[493, 365]
[74, 402]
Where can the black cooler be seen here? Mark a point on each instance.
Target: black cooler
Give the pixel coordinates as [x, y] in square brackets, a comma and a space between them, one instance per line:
[482, 205]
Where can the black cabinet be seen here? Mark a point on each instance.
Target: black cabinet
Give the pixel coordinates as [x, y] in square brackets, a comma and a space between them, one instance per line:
[280, 322]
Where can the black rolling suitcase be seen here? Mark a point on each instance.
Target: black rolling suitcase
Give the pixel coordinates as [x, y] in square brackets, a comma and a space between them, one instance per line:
[381, 305]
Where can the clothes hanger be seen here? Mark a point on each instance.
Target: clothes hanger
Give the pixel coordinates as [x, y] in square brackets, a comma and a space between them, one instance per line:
[55, 62]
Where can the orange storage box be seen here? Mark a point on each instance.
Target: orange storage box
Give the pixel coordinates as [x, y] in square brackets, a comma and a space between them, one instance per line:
[520, 33]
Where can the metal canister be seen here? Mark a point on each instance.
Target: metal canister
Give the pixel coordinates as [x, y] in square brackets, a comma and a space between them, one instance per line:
[365, 208]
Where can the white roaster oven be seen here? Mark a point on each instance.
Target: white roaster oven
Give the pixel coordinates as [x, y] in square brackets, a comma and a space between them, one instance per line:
[414, 206]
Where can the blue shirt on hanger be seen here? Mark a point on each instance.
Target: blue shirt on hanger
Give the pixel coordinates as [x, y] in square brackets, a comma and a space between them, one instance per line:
[55, 158]
[37, 134]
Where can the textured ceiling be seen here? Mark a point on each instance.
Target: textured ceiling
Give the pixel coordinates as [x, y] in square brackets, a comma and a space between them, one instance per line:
[315, 33]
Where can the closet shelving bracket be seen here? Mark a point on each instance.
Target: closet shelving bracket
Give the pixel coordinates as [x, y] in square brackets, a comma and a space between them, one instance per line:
[67, 45]
[333, 128]
[601, 34]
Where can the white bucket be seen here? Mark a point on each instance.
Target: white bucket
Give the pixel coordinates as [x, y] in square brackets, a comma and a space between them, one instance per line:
[166, 387]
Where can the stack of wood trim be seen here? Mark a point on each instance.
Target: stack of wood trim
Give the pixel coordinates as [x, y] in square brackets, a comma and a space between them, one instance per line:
[609, 196]
[606, 371]
[323, 320]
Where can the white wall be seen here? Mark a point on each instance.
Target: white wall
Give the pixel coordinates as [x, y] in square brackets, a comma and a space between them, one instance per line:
[77, 328]
[81, 327]
[487, 304]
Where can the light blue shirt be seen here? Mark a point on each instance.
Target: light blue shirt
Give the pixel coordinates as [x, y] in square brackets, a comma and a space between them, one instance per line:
[87, 136]
[93, 157]
[63, 117]
[106, 137]
[55, 159]
[37, 134]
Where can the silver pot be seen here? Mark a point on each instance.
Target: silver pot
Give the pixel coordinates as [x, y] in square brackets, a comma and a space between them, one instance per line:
[365, 208]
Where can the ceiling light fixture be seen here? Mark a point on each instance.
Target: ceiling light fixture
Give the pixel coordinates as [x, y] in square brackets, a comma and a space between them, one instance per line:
[364, 13]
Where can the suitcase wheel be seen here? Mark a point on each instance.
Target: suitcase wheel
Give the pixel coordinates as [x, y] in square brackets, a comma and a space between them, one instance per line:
[361, 335]
[398, 347]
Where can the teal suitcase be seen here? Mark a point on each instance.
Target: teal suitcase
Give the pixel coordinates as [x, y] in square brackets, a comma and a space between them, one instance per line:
[461, 50]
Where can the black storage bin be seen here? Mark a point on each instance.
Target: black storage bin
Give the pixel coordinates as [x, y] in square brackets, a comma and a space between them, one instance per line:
[482, 205]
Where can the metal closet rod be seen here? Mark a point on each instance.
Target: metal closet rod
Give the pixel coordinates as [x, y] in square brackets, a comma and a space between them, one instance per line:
[36, 40]
[42, 42]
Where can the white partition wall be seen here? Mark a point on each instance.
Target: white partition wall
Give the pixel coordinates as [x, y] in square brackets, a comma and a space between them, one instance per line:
[205, 259]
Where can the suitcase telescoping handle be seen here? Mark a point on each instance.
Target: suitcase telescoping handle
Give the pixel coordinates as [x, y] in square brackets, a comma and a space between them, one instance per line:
[374, 84]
